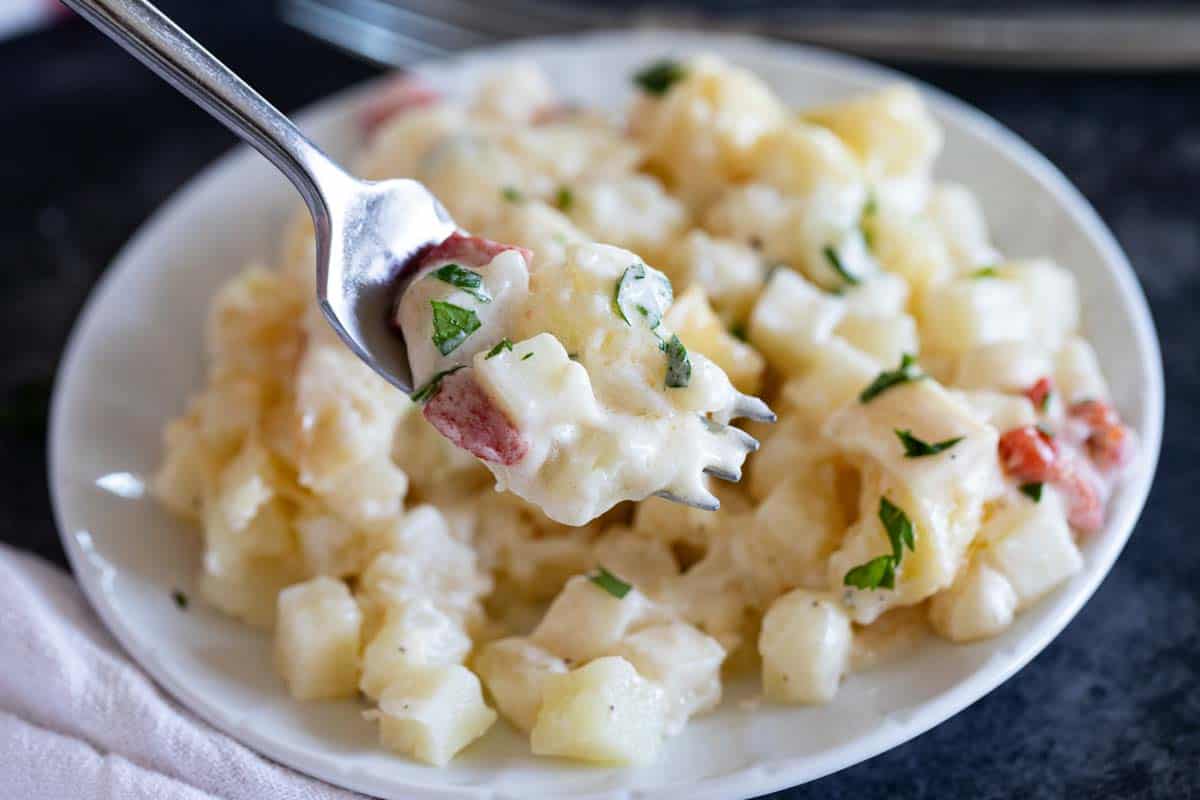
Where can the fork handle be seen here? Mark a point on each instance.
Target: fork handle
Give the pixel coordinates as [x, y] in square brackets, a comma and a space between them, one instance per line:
[163, 46]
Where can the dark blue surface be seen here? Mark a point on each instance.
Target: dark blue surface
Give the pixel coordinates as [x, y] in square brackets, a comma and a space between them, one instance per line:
[93, 142]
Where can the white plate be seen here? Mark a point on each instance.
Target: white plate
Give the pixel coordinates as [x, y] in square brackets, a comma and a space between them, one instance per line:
[136, 355]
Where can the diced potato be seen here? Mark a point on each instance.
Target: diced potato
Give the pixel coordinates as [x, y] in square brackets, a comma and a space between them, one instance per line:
[633, 212]
[796, 158]
[541, 390]
[675, 522]
[415, 633]
[912, 248]
[1077, 373]
[884, 295]
[805, 646]
[839, 373]
[640, 560]
[966, 313]
[730, 273]
[959, 219]
[792, 320]
[791, 452]
[702, 331]
[890, 130]
[514, 93]
[1030, 544]
[585, 621]
[1051, 296]
[885, 339]
[795, 529]
[1002, 411]
[684, 662]
[431, 713]
[980, 604]
[316, 639]
[1003, 366]
[604, 711]
[515, 671]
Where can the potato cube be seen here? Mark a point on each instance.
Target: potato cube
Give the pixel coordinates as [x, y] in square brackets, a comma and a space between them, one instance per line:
[1051, 296]
[604, 711]
[316, 639]
[971, 312]
[431, 713]
[1077, 373]
[1030, 544]
[792, 320]
[515, 671]
[837, 376]
[978, 605]
[585, 621]
[1002, 366]
[702, 331]
[415, 633]
[885, 339]
[684, 662]
[805, 646]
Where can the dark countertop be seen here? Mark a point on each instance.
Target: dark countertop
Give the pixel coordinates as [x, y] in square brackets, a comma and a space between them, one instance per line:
[93, 142]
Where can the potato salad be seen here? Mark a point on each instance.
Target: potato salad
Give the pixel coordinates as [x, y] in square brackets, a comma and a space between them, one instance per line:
[620, 286]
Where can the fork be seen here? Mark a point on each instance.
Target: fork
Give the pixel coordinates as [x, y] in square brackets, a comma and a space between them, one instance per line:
[366, 232]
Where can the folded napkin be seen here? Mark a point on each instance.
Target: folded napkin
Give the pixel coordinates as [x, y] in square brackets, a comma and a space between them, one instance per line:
[78, 721]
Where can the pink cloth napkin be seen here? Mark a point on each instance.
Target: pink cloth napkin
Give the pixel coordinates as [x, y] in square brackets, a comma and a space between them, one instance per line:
[79, 721]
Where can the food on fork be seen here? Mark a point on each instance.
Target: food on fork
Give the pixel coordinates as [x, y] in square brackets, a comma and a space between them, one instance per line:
[946, 439]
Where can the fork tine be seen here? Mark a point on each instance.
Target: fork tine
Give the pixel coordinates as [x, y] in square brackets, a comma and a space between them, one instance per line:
[753, 408]
[718, 471]
[709, 503]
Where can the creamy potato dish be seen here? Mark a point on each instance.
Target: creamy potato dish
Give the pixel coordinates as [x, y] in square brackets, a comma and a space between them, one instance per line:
[945, 434]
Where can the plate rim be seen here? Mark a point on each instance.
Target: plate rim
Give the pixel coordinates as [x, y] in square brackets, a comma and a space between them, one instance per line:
[764, 776]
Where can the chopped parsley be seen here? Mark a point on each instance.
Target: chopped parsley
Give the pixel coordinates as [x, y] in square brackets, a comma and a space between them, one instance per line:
[181, 599]
[430, 389]
[738, 331]
[610, 583]
[1046, 401]
[501, 346]
[564, 199]
[660, 76]
[468, 280]
[835, 261]
[512, 194]
[868, 211]
[679, 366]
[877, 573]
[907, 372]
[985, 272]
[916, 448]
[527, 356]
[880, 572]
[645, 291]
[1033, 491]
[451, 325]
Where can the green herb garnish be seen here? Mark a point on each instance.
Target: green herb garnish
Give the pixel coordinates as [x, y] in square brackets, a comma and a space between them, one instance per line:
[660, 76]
[564, 199]
[451, 325]
[1033, 491]
[468, 280]
[527, 356]
[835, 261]
[877, 573]
[181, 599]
[738, 331]
[869, 209]
[679, 366]
[1046, 401]
[501, 346]
[512, 194]
[916, 448]
[985, 272]
[430, 389]
[881, 570]
[644, 290]
[907, 372]
[610, 583]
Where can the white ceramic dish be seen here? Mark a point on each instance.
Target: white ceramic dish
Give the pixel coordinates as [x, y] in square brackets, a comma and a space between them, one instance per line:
[135, 356]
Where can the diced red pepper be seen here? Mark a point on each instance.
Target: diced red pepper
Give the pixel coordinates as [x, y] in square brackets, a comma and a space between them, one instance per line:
[1109, 442]
[469, 251]
[1029, 454]
[397, 95]
[1038, 393]
[463, 412]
